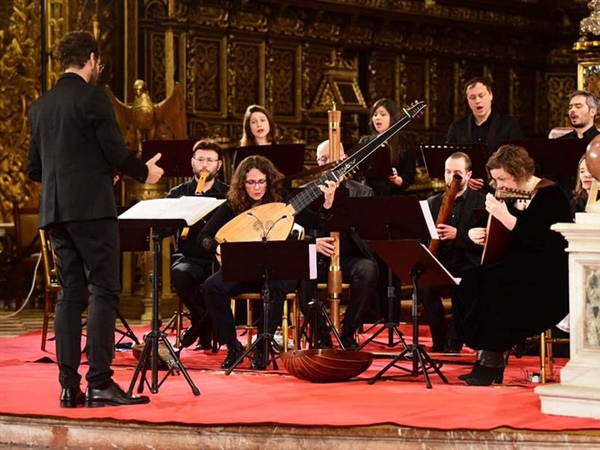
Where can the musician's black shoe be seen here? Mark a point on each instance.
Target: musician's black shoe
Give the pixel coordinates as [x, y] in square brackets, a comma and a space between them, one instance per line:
[259, 361]
[486, 376]
[205, 343]
[71, 397]
[234, 351]
[453, 346]
[437, 348]
[348, 341]
[112, 395]
[473, 371]
[189, 336]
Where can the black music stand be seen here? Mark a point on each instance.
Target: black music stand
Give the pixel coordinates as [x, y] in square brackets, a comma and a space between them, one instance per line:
[264, 261]
[159, 214]
[411, 259]
[288, 158]
[435, 156]
[379, 218]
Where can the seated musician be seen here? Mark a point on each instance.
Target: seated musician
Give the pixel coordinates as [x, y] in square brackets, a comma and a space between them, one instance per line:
[358, 266]
[456, 251]
[497, 305]
[583, 107]
[191, 264]
[256, 181]
[258, 127]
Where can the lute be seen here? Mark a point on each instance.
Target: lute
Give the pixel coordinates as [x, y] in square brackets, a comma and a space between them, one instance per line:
[498, 237]
[274, 221]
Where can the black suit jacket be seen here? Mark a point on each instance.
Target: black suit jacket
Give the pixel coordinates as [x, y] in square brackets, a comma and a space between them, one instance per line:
[472, 252]
[74, 149]
[502, 128]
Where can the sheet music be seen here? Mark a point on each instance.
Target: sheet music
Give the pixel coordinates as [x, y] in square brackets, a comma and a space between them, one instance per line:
[455, 279]
[312, 260]
[190, 209]
[433, 234]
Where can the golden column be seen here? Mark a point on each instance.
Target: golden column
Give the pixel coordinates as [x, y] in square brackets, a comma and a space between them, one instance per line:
[587, 51]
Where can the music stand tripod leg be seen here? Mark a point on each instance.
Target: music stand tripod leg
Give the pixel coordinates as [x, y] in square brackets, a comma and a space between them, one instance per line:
[128, 331]
[421, 361]
[264, 338]
[316, 309]
[155, 336]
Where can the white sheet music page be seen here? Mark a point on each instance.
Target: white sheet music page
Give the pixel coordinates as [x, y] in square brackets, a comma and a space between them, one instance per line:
[312, 258]
[190, 209]
[455, 279]
[433, 234]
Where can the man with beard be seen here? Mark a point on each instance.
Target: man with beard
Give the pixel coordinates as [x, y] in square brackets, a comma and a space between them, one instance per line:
[456, 252]
[74, 149]
[191, 264]
[583, 107]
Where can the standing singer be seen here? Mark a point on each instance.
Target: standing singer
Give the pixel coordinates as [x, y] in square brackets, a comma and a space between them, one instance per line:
[497, 305]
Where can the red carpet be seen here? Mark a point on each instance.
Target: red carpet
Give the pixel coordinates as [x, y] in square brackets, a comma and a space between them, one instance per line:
[29, 386]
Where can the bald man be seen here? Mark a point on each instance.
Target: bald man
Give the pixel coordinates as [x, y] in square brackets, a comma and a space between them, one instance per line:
[358, 265]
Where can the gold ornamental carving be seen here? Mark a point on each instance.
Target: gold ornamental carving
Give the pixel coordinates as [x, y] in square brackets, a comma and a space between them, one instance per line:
[19, 88]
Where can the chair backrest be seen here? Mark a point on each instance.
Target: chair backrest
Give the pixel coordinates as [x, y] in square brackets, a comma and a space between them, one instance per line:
[26, 231]
[49, 260]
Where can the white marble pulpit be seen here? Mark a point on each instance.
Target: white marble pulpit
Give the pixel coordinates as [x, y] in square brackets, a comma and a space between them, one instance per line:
[578, 393]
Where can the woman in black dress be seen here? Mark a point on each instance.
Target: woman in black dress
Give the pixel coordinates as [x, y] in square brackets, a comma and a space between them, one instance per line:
[498, 305]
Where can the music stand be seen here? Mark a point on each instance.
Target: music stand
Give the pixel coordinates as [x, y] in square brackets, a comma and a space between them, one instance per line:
[265, 261]
[411, 259]
[159, 214]
[288, 158]
[380, 218]
[435, 156]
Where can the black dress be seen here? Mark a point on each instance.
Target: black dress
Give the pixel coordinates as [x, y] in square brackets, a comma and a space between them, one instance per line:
[498, 305]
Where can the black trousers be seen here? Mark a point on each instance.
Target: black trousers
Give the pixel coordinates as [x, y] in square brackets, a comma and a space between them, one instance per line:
[87, 254]
[362, 274]
[187, 275]
[218, 293]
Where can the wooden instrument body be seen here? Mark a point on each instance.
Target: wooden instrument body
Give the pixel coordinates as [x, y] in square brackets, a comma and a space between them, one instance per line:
[499, 238]
[271, 222]
[446, 210]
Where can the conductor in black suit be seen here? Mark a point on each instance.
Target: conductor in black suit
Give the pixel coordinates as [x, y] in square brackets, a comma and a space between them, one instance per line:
[484, 125]
[75, 147]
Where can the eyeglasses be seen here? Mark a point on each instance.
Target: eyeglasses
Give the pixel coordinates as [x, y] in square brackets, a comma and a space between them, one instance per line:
[323, 159]
[206, 160]
[253, 183]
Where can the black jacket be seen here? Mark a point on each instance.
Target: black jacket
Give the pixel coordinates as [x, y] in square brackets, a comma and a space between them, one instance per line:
[502, 128]
[76, 140]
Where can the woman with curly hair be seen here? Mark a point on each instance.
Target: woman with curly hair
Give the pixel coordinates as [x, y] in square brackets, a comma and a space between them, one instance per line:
[255, 182]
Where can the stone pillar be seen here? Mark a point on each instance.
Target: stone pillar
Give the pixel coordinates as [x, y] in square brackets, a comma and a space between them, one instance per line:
[578, 393]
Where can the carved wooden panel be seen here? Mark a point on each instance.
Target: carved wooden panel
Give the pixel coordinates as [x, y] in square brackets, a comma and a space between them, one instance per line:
[247, 68]
[207, 76]
[414, 74]
[383, 77]
[559, 87]
[441, 94]
[315, 59]
[284, 70]
[155, 65]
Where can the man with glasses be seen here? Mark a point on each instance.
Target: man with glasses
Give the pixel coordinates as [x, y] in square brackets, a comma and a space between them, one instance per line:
[75, 148]
[191, 264]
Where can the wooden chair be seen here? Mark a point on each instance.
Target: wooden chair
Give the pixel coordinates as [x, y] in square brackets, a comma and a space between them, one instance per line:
[286, 326]
[26, 249]
[546, 342]
[51, 284]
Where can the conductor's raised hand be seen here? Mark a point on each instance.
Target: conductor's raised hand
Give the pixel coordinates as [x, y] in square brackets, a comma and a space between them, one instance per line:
[154, 172]
[329, 190]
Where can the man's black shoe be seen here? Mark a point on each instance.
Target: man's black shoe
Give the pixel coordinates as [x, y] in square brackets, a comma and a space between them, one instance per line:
[112, 395]
[189, 336]
[234, 351]
[349, 342]
[259, 361]
[453, 346]
[71, 398]
[437, 348]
